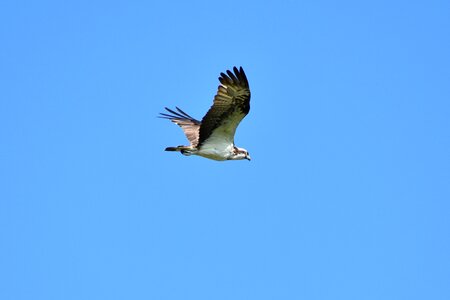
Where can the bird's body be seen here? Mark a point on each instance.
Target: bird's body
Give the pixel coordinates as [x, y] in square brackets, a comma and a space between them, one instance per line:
[213, 137]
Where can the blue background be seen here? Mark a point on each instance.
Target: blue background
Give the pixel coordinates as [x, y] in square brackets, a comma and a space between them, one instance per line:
[347, 195]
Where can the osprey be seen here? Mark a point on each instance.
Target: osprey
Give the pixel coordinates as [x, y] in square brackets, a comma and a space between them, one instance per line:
[213, 136]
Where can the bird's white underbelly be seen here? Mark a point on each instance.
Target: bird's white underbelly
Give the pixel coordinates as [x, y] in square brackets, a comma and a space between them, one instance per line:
[216, 149]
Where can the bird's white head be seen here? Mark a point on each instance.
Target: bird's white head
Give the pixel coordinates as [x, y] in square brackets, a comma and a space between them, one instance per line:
[240, 153]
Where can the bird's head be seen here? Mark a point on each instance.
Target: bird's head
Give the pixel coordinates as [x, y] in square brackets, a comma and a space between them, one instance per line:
[240, 153]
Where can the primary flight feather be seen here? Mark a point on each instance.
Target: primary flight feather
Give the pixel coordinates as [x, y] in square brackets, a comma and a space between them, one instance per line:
[213, 136]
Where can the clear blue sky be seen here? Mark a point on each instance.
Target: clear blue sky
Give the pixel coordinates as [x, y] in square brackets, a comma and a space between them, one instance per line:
[347, 195]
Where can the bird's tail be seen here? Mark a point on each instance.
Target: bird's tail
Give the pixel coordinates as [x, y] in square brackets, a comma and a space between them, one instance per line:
[181, 149]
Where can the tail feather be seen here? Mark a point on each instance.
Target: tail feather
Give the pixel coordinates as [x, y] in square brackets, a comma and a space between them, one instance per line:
[171, 149]
[179, 148]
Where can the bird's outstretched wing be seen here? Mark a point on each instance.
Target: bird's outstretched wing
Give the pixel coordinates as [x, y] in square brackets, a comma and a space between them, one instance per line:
[189, 125]
[231, 104]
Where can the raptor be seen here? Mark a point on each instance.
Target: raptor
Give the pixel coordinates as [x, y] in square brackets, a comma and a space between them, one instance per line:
[213, 136]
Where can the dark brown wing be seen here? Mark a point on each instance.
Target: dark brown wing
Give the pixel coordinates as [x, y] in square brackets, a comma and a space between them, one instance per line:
[189, 125]
[231, 104]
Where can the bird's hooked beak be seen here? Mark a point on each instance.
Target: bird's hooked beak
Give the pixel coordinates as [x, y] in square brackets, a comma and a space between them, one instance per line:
[248, 158]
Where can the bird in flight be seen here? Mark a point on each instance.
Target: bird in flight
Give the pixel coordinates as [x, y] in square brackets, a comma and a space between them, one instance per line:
[213, 136]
